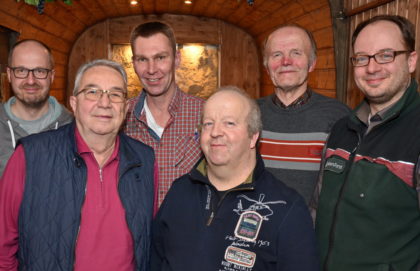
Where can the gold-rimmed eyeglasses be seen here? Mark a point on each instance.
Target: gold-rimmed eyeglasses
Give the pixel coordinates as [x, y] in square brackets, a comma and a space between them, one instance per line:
[94, 94]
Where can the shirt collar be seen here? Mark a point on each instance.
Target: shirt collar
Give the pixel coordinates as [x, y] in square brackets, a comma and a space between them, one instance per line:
[83, 148]
[202, 168]
[301, 100]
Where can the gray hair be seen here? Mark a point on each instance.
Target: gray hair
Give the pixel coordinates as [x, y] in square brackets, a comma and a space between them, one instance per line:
[254, 115]
[95, 63]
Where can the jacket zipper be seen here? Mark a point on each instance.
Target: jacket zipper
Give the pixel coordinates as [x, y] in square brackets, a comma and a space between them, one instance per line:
[214, 210]
[78, 229]
[340, 195]
[122, 201]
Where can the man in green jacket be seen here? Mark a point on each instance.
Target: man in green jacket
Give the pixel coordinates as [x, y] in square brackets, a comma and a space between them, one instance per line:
[368, 215]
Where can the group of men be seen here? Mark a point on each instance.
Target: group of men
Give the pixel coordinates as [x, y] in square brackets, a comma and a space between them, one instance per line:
[230, 178]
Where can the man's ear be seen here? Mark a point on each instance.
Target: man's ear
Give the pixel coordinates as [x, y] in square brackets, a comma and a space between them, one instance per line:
[312, 65]
[254, 140]
[412, 61]
[177, 58]
[73, 103]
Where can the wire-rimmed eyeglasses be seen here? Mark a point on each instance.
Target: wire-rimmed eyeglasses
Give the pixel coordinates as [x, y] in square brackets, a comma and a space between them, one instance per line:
[94, 94]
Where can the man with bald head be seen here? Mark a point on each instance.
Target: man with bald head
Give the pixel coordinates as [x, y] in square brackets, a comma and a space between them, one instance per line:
[296, 120]
[229, 213]
[31, 110]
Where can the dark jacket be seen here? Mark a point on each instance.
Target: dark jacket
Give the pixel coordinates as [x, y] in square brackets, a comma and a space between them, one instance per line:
[259, 225]
[368, 216]
[50, 212]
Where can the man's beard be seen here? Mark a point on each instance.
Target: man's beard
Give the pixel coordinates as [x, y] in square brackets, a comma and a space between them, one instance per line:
[33, 102]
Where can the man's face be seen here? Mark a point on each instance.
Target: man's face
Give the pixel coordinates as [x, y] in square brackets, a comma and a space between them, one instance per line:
[287, 57]
[155, 64]
[30, 91]
[102, 117]
[224, 137]
[383, 84]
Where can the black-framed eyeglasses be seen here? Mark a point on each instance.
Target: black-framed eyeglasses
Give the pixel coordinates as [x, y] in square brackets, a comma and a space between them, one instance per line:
[380, 58]
[22, 73]
[95, 94]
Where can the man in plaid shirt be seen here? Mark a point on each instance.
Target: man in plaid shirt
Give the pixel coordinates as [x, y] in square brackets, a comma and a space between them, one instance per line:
[163, 116]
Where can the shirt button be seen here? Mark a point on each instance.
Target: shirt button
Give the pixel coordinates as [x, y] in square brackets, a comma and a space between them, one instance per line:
[362, 195]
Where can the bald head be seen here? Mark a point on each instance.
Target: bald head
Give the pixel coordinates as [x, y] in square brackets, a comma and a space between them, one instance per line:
[23, 46]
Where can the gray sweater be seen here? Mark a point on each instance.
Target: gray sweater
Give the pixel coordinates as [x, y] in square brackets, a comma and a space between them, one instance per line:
[11, 130]
[293, 138]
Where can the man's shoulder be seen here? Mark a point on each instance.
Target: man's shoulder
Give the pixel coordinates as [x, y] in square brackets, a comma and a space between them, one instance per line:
[262, 102]
[188, 99]
[328, 101]
[136, 144]
[270, 183]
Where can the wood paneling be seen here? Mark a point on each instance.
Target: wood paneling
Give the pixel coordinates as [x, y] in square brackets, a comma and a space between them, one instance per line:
[61, 26]
[409, 9]
[239, 61]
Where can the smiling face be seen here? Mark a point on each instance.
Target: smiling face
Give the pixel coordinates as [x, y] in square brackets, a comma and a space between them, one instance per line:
[155, 64]
[30, 91]
[225, 139]
[102, 117]
[287, 59]
[383, 84]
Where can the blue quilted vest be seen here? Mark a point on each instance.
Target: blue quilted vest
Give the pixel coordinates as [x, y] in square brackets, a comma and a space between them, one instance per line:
[50, 213]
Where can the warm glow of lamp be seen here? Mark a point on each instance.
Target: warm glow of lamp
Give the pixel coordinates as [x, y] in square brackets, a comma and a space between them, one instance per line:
[193, 51]
[188, 2]
[133, 2]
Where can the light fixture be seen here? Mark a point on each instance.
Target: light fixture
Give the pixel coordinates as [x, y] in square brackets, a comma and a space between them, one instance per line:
[188, 2]
[133, 2]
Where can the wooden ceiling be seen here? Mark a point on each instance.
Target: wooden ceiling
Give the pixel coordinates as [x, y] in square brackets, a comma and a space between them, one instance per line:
[257, 19]
[61, 25]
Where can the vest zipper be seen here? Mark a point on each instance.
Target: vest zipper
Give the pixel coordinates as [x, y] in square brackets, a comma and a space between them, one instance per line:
[340, 195]
[214, 210]
[78, 229]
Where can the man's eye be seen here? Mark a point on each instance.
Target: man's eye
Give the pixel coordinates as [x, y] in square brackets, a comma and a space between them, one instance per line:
[41, 71]
[21, 70]
[385, 56]
[361, 58]
[91, 91]
[295, 53]
[117, 94]
[139, 59]
[161, 57]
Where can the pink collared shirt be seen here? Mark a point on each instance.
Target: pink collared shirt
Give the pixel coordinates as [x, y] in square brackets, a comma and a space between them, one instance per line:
[104, 241]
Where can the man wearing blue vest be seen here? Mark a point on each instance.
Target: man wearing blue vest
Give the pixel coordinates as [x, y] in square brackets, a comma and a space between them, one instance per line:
[80, 197]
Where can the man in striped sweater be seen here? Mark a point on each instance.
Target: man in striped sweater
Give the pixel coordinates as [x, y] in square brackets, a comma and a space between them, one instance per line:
[296, 120]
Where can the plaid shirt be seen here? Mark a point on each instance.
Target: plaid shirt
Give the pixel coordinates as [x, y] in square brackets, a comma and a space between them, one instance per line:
[178, 149]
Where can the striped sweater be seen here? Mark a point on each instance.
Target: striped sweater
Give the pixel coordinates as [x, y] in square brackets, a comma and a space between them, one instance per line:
[293, 138]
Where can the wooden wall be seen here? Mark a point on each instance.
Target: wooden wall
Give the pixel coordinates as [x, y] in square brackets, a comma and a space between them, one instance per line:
[23, 19]
[407, 8]
[239, 60]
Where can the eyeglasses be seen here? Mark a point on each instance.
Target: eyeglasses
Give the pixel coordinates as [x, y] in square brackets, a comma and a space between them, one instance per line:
[22, 73]
[380, 58]
[94, 94]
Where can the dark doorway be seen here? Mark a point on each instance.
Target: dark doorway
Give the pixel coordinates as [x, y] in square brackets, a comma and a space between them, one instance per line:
[7, 39]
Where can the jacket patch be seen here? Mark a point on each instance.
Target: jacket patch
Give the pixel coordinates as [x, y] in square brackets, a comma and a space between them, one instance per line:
[335, 165]
[249, 225]
[240, 256]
